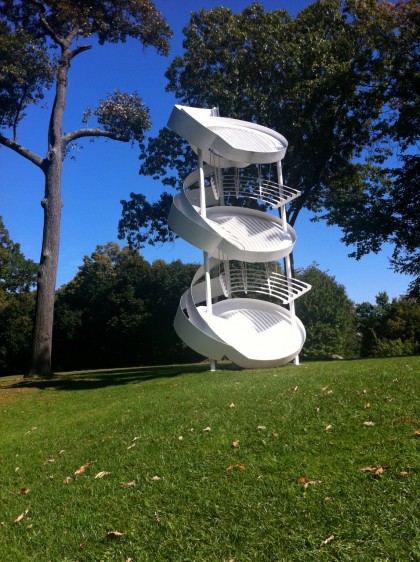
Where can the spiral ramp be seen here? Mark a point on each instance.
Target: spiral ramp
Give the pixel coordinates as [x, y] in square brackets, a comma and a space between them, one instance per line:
[239, 304]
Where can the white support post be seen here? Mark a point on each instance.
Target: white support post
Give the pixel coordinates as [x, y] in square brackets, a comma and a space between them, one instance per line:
[203, 211]
[283, 207]
[287, 262]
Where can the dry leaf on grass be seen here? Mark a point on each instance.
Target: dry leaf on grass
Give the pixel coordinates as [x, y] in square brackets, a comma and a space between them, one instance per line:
[377, 470]
[207, 429]
[21, 516]
[261, 428]
[131, 446]
[113, 535]
[130, 484]
[326, 541]
[275, 435]
[403, 474]
[156, 478]
[81, 469]
[180, 438]
[369, 423]
[31, 430]
[102, 474]
[236, 467]
[232, 405]
[68, 479]
[235, 444]
[328, 427]
[302, 480]
[21, 492]
[417, 433]
[367, 406]
[52, 459]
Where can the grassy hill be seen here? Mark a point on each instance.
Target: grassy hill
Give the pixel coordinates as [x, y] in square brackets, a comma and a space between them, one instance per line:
[312, 463]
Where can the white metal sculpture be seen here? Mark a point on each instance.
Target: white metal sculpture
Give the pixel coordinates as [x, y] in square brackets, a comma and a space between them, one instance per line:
[241, 245]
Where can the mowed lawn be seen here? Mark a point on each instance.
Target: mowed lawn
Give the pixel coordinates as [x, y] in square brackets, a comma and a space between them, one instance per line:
[312, 463]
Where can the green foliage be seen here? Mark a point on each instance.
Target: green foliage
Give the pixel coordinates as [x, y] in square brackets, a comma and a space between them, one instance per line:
[119, 310]
[17, 274]
[129, 423]
[125, 115]
[17, 277]
[328, 316]
[25, 72]
[389, 328]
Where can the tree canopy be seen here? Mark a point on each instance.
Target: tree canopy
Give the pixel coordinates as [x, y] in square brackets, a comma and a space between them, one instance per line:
[339, 81]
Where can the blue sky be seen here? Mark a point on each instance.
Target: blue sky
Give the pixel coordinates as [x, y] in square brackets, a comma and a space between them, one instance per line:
[103, 172]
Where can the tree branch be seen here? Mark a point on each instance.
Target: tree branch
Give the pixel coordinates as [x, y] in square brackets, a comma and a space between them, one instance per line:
[79, 50]
[89, 132]
[41, 9]
[22, 151]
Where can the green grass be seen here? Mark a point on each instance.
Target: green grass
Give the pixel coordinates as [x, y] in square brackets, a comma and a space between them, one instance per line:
[199, 510]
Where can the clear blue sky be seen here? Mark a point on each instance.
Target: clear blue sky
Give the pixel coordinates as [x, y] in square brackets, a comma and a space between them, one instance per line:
[103, 172]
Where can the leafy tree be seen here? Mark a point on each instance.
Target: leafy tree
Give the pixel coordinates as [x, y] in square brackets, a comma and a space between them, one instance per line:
[328, 316]
[389, 328]
[17, 277]
[119, 310]
[39, 41]
[339, 81]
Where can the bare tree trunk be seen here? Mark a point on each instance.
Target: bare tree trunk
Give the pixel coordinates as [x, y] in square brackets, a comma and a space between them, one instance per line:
[47, 272]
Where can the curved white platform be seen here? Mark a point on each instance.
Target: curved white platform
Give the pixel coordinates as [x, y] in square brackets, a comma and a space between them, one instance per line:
[211, 214]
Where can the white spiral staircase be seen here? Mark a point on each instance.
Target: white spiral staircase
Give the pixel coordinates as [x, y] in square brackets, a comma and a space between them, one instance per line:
[216, 316]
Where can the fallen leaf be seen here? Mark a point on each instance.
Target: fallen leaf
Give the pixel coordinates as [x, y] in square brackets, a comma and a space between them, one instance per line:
[157, 519]
[368, 423]
[52, 459]
[21, 516]
[326, 541]
[417, 433]
[113, 535]
[325, 389]
[68, 479]
[31, 430]
[302, 480]
[156, 478]
[232, 405]
[403, 474]
[207, 429]
[62, 451]
[367, 406]
[327, 498]
[128, 484]
[261, 428]
[180, 438]
[235, 444]
[102, 474]
[236, 467]
[275, 435]
[131, 446]
[21, 492]
[328, 427]
[17, 469]
[29, 526]
[81, 469]
[295, 389]
[377, 470]
[311, 483]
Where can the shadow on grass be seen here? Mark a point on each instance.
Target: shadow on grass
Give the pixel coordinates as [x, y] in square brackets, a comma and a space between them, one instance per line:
[89, 380]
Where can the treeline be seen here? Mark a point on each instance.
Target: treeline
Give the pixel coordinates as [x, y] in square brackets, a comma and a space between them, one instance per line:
[118, 311]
